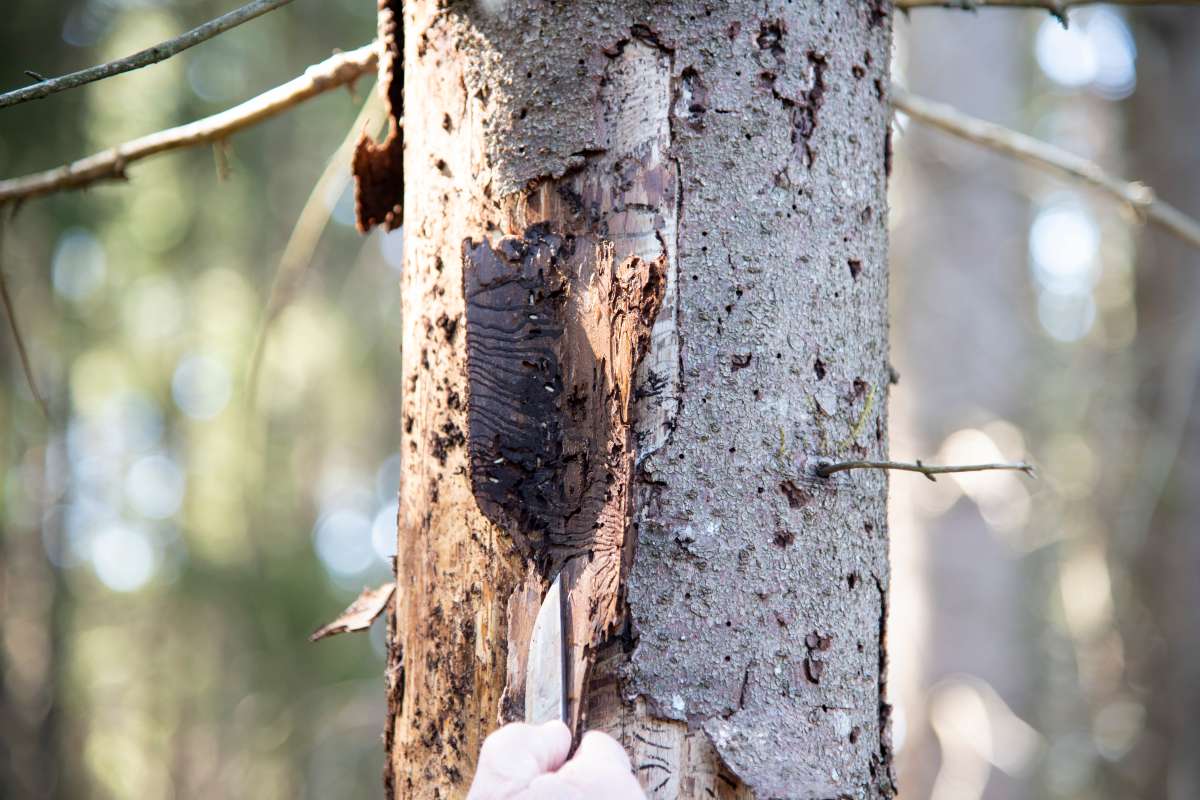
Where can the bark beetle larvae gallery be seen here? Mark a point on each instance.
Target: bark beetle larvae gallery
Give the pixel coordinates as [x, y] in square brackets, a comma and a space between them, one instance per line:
[555, 331]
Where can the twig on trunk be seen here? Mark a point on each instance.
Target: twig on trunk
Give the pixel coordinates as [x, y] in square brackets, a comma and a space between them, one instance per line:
[144, 58]
[338, 70]
[1139, 197]
[826, 468]
[18, 339]
[1057, 8]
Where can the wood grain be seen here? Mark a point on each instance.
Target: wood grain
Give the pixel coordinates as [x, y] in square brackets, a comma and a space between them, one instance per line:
[555, 332]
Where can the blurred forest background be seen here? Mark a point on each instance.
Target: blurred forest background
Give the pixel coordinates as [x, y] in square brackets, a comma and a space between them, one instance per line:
[168, 539]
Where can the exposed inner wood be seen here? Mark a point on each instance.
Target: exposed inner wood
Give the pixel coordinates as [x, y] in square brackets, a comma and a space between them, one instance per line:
[670, 760]
[597, 385]
[627, 192]
[555, 330]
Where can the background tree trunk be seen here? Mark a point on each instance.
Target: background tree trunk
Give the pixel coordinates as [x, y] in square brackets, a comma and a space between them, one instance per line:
[1159, 537]
[958, 298]
[742, 147]
[29, 654]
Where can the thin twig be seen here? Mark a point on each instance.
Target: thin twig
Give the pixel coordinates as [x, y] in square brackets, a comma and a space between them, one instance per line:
[1058, 8]
[143, 58]
[306, 233]
[339, 70]
[1139, 197]
[18, 339]
[826, 468]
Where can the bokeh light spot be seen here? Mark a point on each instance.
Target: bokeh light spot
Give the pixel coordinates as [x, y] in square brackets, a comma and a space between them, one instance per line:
[1066, 317]
[201, 386]
[1064, 241]
[343, 542]
[1066, 55]
[154, 486]
[123, 557]
[79, 265]
[387, 479]
[383, 532]
[1116, 54]
[391, 245]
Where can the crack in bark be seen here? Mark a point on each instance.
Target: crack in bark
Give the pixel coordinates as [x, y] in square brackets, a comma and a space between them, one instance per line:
[393, 678]
[882, 766]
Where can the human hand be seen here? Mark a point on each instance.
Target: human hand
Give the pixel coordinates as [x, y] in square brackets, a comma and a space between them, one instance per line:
[529, 762]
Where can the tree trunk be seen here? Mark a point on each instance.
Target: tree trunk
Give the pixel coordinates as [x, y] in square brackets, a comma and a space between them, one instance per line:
[30, 625]
[692, 197]
[1159, 538]
[957, 295]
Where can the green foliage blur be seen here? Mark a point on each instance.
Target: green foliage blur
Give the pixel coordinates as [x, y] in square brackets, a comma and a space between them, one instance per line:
[166, 543]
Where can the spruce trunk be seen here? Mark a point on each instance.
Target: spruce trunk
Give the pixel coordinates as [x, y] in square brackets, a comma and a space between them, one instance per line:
[693, 196]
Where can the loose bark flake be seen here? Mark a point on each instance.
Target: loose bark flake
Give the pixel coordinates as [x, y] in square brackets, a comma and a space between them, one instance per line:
[359, 615]
[379, 166]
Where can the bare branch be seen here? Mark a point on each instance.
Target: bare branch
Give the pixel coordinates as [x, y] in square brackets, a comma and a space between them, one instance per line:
[18, 339]
[111, 164]
[826, 468]
[144, 58]
[1139, 197]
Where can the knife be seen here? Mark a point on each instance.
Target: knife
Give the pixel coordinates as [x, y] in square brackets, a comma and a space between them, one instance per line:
[546, 667]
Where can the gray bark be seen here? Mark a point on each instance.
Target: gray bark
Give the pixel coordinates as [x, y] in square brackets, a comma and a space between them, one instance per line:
[741, 147]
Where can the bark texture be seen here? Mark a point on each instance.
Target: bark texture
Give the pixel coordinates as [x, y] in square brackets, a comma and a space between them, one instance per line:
[694, 193]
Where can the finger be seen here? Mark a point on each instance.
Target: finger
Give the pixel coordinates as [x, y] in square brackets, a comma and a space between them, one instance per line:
[555, 787]
[516, 754]
[600, 747]
[601, 768]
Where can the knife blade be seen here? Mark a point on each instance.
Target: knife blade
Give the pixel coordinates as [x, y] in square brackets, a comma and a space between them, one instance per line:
[545, 668]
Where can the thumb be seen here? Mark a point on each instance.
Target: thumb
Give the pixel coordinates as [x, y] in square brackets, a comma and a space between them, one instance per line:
[601, 768]
[516, 754]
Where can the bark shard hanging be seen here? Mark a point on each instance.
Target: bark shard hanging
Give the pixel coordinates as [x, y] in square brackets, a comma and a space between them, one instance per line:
[378, 167]
[556, 329]
[359, 615]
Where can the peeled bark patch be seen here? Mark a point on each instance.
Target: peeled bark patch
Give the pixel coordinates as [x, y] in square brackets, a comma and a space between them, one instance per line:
[555, 332]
